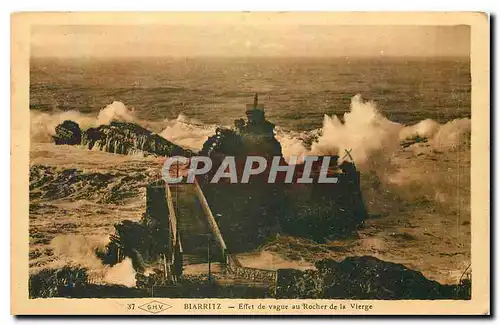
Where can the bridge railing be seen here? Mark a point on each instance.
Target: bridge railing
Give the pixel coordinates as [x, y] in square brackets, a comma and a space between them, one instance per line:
[172, 215]
[176, 258]
[250, 273]
[211, 221]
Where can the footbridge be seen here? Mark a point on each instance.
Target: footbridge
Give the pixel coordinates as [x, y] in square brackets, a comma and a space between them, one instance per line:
[197, 246]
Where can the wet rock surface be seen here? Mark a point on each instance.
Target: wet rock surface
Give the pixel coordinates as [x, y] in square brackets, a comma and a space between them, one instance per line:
[249, 215]
[252, 137]
[118, 137]
[68, 132]
[365, 277]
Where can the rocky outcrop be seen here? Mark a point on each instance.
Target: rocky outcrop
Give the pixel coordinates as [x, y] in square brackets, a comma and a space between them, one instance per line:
[410, 141]
[252, 137]
[68, 132]
[364, 277]
[74, 282]
[224, 141]
[118, 137]
[250, 214]
[146, 240]
[56, 282]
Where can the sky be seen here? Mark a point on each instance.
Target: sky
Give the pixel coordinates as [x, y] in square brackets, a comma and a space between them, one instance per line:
[231, 39]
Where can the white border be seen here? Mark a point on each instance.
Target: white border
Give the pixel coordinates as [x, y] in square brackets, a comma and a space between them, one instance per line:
[199, 5]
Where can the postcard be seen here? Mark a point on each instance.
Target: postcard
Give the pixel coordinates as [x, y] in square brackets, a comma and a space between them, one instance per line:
[250, 163]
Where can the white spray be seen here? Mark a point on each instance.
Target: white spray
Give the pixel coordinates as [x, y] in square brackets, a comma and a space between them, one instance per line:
[43, 125]
[78, 250]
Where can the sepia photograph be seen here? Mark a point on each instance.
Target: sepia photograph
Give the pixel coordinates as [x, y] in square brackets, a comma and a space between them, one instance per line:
[284, 162]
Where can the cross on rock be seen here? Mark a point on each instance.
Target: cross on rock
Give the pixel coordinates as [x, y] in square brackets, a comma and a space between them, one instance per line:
[348, 154]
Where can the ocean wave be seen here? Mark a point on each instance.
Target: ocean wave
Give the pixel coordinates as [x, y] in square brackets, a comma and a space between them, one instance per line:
[364, 130]
[48, 183]
[187, 132]
[43, 125]
[370, 138]
[78, 250]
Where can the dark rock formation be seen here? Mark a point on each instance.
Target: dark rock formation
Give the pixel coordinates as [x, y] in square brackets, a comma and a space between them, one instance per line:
[410, 141]
[56, 282]
[364, 277]
[128, 138]
[250, 214]
[253, 137]
[68, 132]
[118, 137]
[73, 282]
[223, 141]
[145, 241]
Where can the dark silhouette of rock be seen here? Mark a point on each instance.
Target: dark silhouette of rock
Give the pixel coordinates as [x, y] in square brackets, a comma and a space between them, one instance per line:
[410, 141]
[118, 137]
[252, 213]
[364, 277]
[145, 240]
[253, 137]
[129, 138]
[68, 132]
[55, 282]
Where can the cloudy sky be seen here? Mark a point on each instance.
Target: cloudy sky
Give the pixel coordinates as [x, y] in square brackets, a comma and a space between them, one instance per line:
[289, 39]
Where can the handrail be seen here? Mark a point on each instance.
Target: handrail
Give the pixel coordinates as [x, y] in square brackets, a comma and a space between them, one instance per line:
[179, 243]
[233, 259]
[238, 264]
[251, 273]
[210, 216]
[171, 210]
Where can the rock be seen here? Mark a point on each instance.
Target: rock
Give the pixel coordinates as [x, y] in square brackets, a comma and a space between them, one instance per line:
[365, 277]
[410, 141]
[118, 137]
[49, 283]
[146, 240]
[252, 213]
[129, 138]
[253, 137]
[68, 132]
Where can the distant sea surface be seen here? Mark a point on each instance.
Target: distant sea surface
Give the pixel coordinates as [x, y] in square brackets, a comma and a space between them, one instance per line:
[296, 92]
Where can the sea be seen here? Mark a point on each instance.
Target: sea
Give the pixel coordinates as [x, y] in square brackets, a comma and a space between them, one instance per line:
[295, 92]
[417, 195]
